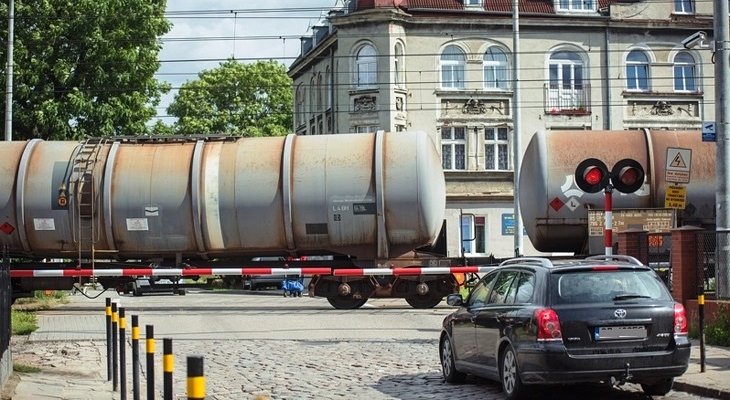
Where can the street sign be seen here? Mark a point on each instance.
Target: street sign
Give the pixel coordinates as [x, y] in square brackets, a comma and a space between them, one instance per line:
[678, 165]
[652, 220]
[676, 197]
[709, 134]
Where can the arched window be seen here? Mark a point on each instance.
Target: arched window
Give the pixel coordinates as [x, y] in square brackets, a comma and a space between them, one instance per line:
[637, 70]
[685, 78]
[399, 68]
[452, 67]
[566, 82]
[312, 94]
[299, 108]
[328, 86]
[496, 69]
[320, 90]
[366, 71]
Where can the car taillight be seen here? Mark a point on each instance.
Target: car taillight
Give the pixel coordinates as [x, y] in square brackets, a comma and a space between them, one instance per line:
[680, 320]
[548, 325]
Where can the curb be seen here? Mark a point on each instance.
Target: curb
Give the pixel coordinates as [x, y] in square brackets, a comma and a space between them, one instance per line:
[701, 390]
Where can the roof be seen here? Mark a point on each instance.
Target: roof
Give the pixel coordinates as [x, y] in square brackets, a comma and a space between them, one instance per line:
[526, 6]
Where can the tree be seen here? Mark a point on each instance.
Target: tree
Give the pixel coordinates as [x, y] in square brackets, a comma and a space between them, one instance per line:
[236, 99]
[85, 67]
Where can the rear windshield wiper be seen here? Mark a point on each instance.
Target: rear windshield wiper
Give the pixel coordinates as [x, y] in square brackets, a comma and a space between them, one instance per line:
[630, 296]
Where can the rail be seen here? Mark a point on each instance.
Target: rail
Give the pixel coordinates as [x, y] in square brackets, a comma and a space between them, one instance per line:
[618, 257]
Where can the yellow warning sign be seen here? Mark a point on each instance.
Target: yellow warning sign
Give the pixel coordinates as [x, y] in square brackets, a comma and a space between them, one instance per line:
[675, 197]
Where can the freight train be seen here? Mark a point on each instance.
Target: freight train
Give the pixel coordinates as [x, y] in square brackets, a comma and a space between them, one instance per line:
[364, 200]
[555, 211]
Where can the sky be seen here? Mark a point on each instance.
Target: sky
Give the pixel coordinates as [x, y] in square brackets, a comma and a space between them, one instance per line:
[203, 30]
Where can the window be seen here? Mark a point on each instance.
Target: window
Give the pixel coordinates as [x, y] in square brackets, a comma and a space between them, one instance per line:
[684, 72]
[684, 7]
[524, 288]
[473, 3]
[453, 148]
[575, 5]
[312, 94]
[502, 287]
[473, 234]
[496, 149]
[328, 87]
[637, 71]
[320, 92]
[366, 66]
[452, 68]
[566, 85]
[299, 112]
[496, 69]
[399, 67]
[480, 293]
[366, 129]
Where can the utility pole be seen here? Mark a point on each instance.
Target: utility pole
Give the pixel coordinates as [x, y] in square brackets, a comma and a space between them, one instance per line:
[516, 132]
[9, 74]
[722, 113]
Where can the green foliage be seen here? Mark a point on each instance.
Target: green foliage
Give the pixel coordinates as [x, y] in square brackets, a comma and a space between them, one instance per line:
[718, 333]
[84, 67]
[23, 322]
[22, 368]
[236, 99]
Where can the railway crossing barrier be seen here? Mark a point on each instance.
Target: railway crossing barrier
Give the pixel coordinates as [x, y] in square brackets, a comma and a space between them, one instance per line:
[116, 359]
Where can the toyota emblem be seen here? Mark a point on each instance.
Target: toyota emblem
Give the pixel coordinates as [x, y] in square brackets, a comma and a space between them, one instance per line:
[620, 313]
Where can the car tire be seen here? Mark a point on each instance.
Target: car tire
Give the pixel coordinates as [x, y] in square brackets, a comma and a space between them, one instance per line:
[448, 366]
[658, 388]
[509, 375]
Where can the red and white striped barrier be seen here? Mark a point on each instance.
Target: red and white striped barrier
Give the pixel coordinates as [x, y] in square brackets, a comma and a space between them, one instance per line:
[307, 271]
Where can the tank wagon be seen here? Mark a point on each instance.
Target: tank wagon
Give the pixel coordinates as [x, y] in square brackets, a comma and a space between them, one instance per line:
[368, 200]
[555, 210]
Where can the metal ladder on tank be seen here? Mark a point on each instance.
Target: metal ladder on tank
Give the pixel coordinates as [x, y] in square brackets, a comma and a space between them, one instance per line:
[81, 182]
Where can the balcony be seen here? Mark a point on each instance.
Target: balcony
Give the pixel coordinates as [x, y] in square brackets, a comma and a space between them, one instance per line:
[564, 100]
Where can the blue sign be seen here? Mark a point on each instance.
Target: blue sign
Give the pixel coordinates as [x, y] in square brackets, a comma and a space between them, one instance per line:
[508, 225]
[709, 134]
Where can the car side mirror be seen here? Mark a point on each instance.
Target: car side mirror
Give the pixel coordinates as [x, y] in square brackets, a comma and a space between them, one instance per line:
[455, 299]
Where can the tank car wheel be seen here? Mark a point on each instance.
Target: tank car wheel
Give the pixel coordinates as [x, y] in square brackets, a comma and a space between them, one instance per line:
[346, 303]
[427, 301]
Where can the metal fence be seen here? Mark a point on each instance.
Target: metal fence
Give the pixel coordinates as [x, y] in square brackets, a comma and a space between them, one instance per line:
[706, 271]
[5, 302]
[657, 248]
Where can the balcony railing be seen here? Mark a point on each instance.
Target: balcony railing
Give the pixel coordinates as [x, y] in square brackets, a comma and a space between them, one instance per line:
[562, 100]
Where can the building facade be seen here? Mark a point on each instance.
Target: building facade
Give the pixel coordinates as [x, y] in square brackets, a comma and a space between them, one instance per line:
[445, 67]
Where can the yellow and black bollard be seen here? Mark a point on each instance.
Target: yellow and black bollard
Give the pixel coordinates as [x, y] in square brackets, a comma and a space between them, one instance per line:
[150, 331]
[135, 357]
[115, 322]
[108, 312]
[122, 355]
[196, 379]
[167, 367]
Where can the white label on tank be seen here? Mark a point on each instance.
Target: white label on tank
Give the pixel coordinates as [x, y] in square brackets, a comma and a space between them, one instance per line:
[152, 211]
[137, 224]
[211, 203]
[44, 224]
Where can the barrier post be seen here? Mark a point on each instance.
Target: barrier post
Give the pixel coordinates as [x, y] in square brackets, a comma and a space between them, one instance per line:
[150, 334]
[108, 312]
[115, 350]
[135, 357]
[122, 355]
[167, 367]
[196, 379]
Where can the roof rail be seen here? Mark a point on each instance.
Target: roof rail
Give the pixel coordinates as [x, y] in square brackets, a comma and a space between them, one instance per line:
[620, 257]
[529, 260]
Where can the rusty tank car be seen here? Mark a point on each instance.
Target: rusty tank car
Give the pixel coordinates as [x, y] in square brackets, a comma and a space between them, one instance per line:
[555, 211]
[369, 198]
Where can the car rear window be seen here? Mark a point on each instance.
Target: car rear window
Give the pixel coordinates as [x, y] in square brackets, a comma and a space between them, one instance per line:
[599, 286]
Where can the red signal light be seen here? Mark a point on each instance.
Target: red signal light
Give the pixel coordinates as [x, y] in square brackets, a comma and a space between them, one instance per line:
[593, 176]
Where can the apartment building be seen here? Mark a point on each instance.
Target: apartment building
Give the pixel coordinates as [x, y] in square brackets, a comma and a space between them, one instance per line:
[445, 67]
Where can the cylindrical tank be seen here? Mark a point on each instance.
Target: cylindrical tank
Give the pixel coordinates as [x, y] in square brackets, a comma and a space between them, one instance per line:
[365, 195]
[555, 210]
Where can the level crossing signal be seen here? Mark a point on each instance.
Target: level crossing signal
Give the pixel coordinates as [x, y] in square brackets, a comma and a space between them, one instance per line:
[592, 175]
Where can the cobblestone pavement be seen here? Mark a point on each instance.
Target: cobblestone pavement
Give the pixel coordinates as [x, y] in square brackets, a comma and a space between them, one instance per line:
[267, 347]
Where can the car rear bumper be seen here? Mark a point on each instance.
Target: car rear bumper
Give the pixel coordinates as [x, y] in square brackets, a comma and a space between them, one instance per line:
[552, 364]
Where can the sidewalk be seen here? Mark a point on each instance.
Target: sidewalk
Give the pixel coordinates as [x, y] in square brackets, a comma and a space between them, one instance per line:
[715, 381]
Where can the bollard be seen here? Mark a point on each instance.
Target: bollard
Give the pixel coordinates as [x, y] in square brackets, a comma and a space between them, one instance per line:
[167, 367]
[115, 322]
[196, 380]
[150, 331]
[122, 355]
[135, 357]
[108, 312]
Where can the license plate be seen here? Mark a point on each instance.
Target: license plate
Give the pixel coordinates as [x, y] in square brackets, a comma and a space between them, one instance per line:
[619, 332]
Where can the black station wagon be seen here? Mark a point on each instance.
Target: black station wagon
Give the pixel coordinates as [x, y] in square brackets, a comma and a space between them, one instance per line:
[607, 319]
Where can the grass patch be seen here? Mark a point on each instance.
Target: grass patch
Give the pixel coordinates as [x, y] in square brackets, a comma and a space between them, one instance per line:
[23, 322]
[41, 300]
[22, 368]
